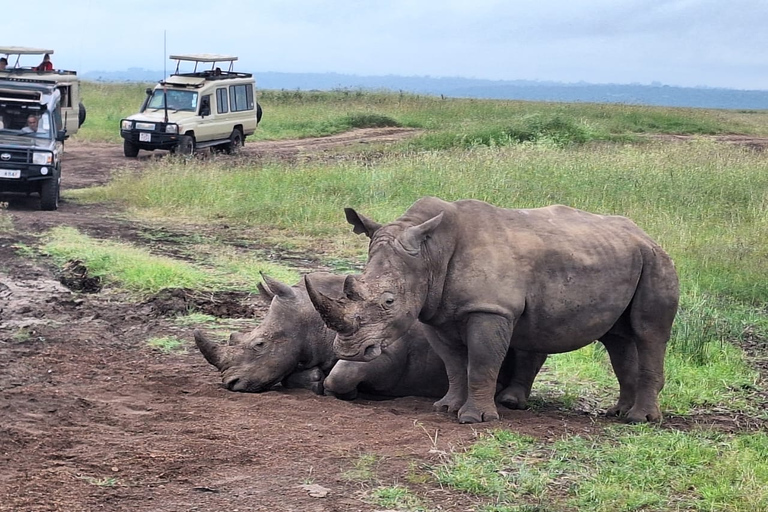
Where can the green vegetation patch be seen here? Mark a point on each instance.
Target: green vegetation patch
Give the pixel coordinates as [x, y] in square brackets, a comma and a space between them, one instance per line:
[627, 468]
[137, 270]
[167, 344]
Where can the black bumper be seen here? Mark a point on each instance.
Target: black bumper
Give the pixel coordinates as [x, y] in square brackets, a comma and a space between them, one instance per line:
[29, 181]
[157, 140]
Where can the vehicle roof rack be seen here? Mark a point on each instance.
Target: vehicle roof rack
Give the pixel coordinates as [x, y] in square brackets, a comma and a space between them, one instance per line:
[197, 58]
[23, 50]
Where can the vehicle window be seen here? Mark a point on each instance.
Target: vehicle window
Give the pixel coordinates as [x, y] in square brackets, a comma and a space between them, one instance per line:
[240, 97]
[37, 125]
[177, 100]
[66, 96]
[221, 100]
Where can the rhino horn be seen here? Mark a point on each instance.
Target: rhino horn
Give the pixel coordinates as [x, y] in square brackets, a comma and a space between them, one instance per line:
[212, 352]
[414, 236]
[331, 310]
[361, 223]
[274, 287]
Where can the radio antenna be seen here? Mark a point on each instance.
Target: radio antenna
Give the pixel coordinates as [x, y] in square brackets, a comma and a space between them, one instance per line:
[165, 54]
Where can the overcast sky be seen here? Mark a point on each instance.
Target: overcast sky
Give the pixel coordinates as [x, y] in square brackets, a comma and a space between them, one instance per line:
[715, 43]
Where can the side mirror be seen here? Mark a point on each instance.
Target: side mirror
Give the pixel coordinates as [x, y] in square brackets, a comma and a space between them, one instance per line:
[149, 91]
[62, 135]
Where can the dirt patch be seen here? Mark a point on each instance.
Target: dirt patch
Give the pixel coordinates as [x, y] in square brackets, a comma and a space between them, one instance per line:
[92, 418]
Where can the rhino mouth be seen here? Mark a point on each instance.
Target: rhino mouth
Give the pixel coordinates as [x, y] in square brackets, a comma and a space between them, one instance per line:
[243, 385]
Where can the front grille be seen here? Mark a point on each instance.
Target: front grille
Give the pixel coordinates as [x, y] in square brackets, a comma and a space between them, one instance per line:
[15, 156]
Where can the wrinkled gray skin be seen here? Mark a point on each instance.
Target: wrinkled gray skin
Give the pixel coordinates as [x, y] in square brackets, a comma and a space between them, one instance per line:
[489, 279]
[293, 346]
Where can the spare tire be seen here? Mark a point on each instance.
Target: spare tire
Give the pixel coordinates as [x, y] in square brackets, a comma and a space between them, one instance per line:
[258, 113]
[81, 114]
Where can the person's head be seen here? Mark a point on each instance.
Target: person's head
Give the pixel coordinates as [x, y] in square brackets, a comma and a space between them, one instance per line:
[32, 121]
[46, 58]
[3, 63]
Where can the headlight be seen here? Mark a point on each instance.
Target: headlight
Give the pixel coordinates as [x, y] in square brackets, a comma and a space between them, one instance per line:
[172, 128]
[42, 158]
[125, 124]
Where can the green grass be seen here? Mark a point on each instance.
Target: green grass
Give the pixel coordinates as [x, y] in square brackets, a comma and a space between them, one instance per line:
[719, 249]
[624, 469]
[167, 344]
[396, 497]
[296, 114]
[137, 270]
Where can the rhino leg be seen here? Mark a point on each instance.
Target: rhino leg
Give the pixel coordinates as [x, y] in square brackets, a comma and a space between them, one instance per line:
[488, 338]
[518, 373]
[454, 356]
[311, 379]
[623, 353]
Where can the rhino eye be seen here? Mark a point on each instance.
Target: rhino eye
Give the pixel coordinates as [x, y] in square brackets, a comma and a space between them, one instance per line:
[258, 345]
[387, 300]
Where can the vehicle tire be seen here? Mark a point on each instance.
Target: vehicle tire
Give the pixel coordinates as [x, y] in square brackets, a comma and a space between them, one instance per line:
[258, 113]
[49, 192]
[186, 145]
[130, 149]
[235, 143]
[80, 114]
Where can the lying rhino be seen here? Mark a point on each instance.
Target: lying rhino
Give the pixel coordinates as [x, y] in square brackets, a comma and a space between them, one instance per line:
[490, 279]
[293, 346]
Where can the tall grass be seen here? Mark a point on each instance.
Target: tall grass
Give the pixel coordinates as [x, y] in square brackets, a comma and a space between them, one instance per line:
[706, 204]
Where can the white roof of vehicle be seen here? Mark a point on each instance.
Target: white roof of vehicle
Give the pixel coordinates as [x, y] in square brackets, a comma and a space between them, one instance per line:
[203, 57]
[185, 80]
[23, 50]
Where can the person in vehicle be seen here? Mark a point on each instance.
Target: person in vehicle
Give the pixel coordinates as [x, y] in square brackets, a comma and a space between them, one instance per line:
[3, 63]
[46, 65]
[33, 125]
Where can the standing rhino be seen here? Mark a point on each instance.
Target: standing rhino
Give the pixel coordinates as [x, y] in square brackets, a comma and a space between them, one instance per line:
[293, 346]
[489, 279]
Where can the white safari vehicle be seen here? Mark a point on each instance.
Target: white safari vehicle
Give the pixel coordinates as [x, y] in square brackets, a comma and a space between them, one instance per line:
[23, 67]
[212, 107]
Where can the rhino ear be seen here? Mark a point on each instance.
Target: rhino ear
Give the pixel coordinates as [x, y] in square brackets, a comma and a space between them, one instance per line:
[272, 287]
[332, 311]
[414, 236]
[361, 223]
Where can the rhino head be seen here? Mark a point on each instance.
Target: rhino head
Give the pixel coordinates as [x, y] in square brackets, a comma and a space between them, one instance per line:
[379, 306]
[277, 348]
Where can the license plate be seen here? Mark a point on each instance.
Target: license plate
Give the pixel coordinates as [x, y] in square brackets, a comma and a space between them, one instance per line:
[7, 173]
[145, 137]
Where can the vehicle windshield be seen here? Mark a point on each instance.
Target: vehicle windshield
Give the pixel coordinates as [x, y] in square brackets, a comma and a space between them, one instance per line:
[177, 100]
[18, 121]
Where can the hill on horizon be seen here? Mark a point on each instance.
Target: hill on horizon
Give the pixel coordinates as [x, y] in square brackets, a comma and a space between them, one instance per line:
[655, 94]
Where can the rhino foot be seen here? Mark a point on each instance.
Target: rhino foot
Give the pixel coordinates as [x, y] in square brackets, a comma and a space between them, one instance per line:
[447, 404]
[513, 398]
[620, 409]
[474, 415]
[640, 415]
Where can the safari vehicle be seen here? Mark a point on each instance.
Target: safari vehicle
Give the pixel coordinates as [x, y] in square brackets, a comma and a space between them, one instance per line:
[31, 140]
[22, 68]
[192, 110]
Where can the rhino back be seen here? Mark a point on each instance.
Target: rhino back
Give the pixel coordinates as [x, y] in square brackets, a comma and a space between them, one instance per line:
[544, 267]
